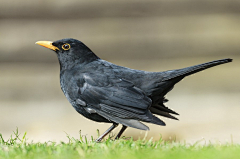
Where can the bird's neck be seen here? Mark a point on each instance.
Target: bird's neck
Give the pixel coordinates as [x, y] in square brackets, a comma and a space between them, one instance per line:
[68, 62]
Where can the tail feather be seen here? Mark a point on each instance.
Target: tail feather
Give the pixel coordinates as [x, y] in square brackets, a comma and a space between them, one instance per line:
[169, 79]
[157, 121]
[193, 69]
[162, 113]
[163, 108]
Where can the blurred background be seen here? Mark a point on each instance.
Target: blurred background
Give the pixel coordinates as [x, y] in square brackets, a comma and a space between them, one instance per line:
[147, 35]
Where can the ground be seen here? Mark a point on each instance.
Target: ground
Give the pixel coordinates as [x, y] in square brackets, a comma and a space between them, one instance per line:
[18, 147]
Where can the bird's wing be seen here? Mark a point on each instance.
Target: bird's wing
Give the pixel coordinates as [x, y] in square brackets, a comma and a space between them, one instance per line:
[116, 99]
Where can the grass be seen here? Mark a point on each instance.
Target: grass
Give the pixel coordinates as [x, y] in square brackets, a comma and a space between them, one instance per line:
[17, 147]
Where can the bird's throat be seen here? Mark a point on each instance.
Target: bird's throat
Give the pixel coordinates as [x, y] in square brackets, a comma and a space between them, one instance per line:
[68, 62]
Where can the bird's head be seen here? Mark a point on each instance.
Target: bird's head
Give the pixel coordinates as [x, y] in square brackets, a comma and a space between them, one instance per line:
[70, 52]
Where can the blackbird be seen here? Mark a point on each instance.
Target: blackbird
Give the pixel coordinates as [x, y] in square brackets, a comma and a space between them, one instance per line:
[105, 92]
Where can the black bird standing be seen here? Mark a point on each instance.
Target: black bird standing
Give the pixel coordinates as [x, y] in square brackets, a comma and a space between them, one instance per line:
[104, 92]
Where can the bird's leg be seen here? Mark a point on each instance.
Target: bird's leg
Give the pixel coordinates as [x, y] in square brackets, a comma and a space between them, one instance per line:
[120, 132]
[106, 132]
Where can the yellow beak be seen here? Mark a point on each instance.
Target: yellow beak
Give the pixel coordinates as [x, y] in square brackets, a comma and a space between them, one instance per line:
[47, 44]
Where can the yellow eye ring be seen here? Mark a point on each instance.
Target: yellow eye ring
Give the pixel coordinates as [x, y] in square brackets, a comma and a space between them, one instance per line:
[66, 46]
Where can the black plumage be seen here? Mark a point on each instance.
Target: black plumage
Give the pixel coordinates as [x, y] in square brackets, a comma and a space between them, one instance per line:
[104, 92]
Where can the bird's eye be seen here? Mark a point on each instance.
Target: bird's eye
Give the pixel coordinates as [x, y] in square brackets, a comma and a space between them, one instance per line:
[66, 46]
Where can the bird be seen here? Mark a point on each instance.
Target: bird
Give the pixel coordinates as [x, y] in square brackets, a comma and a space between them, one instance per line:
[104, 92]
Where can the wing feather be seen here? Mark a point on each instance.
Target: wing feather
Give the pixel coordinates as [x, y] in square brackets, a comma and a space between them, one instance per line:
[117, 99]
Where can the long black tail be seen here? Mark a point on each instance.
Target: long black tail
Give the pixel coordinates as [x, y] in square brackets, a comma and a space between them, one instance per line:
[194, 69]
